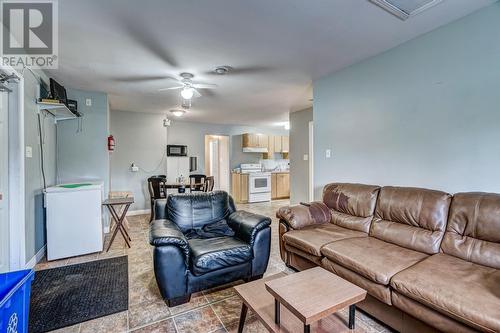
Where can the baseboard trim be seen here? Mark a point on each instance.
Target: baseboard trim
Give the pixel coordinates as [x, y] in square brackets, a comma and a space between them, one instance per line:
[138, 212]
[36, 258]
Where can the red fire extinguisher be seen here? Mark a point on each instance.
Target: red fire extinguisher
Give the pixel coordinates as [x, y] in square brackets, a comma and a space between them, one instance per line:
[111, 143]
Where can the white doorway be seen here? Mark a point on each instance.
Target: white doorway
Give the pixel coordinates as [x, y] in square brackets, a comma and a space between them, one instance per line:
[217, 160]
[311, 161]
[4, 182]
[12, 207]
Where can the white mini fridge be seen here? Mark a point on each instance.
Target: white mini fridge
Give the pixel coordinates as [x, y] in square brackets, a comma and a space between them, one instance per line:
[74, 219]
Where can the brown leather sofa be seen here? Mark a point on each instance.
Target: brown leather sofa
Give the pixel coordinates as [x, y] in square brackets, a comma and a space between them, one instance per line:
[429, 261]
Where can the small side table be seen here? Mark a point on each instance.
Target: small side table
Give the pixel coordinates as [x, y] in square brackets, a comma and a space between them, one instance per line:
[111, 204]
[314, 294]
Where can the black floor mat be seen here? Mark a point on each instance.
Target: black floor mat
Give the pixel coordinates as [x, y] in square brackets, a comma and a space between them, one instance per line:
[69, 295]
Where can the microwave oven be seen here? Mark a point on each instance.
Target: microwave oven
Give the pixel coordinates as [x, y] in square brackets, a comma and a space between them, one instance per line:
[177, 150]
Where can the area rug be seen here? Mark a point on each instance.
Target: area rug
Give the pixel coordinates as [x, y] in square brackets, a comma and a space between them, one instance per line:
[69, 295]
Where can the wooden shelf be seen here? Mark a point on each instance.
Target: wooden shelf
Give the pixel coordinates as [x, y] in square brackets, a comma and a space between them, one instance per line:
[58, 110]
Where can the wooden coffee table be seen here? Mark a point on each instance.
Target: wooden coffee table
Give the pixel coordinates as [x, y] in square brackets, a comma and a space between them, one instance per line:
[291, 303]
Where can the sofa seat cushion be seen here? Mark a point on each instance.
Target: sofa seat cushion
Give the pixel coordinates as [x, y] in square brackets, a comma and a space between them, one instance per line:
[372, 258]
[380, 292]
[211, 254]
[465, 291]
[312, 239]
[304, 255]
[428, 315]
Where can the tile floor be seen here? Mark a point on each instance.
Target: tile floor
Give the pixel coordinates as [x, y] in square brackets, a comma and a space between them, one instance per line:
[214, 311]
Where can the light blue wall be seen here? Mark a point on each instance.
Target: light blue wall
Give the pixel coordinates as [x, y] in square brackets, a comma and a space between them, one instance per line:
[34, 208]
[140, 138]
[426, 113]
[82, 155]
[299, 145]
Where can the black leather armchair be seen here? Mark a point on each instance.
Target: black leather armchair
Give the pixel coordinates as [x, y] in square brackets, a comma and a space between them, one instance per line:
[201, 241]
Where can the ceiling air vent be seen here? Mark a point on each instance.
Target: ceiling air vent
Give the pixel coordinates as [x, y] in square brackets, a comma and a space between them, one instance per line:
[405, 9]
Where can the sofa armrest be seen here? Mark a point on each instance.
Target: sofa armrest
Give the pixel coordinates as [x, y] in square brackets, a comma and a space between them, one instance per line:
[246, 225]
[167, 233]
[160, 209]
[303, 215]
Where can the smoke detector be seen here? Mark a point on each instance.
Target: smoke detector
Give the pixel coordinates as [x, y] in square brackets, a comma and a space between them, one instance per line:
[404, 9]
[222, 70]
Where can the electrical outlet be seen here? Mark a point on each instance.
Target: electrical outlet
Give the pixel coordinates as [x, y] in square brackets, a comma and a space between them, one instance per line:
[88, 102]
[328, 153]
[306, 157]
[29, 152]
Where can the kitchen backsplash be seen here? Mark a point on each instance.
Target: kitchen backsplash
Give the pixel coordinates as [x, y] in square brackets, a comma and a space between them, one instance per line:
[279, 165]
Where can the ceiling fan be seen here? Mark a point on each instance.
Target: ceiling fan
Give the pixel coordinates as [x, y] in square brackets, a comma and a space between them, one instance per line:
[188, 87]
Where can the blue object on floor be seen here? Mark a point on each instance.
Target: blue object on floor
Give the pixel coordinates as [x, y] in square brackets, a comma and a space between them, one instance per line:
[15, 290]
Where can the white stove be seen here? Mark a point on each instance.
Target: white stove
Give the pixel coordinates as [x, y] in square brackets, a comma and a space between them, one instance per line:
[259, 182]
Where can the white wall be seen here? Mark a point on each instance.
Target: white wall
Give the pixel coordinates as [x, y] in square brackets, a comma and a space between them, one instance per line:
[426, 113]
[140, 138]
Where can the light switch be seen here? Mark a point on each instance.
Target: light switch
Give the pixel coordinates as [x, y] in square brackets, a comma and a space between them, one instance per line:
[29, 152]
[306, 157]
[328, 153]
[88, 102]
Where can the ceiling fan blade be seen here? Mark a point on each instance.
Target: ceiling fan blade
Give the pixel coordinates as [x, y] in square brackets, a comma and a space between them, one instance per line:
[244, 70]
[205, 85]
[207, 92]
[171, 88]
[196, 93]
[146, 38]
[141, 78]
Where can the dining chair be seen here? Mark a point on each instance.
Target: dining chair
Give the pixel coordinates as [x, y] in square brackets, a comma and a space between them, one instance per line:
[156, 187]
[196, 182]
[208, 186]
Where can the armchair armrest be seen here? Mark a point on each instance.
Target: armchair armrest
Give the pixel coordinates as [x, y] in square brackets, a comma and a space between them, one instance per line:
[160, 209]
[167, 233]
[170, 259]
[303, 215]
[246, 225]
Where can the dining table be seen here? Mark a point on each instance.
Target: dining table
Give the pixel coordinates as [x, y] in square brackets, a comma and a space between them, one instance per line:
[180, 185]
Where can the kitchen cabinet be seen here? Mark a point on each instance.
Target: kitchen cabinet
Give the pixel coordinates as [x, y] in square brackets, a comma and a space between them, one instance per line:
[273, 143]
[277, 139]
[277, 144]
[285, 144]
[239, 187]
[253, 140]
[274, 183]
[271, 148]
[280, 185]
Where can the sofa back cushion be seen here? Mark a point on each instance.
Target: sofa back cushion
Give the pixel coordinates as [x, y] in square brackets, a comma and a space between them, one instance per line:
[195, 210]
[473, 231]
[411, 217]
[351, 205]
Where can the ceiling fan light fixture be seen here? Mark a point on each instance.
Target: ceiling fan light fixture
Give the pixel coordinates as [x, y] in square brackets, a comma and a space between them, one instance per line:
[178, 113]
[187, 93]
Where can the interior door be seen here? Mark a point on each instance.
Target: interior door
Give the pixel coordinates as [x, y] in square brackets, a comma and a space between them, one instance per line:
[4, 178]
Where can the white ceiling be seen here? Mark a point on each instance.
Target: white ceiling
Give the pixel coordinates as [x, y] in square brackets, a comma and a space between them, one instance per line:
[292, 42]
